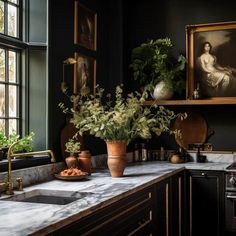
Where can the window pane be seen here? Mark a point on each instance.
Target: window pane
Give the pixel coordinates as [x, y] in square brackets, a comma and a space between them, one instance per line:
[12, 21]
[2, 125]
[1, 17]
[2, 100]
[12, 101]
[2, 64]
[14, 1]
[12, 66]
[12, 126]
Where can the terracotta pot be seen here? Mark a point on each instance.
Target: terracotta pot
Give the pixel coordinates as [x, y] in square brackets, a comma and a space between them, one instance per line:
[116, 160]
[85, 161]
[71, 161]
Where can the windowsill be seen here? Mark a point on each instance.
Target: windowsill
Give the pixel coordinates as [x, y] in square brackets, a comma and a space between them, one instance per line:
[25, 163]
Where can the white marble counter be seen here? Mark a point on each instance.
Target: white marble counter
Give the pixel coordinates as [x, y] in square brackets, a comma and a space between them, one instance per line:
[21, 218]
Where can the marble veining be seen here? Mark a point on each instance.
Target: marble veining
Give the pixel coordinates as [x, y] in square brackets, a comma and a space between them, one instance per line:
[22, 218]
[215, 157]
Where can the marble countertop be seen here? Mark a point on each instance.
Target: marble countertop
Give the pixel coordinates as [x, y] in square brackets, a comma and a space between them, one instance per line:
[21, 218]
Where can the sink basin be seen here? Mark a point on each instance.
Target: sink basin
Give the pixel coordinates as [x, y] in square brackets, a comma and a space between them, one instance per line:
[49, 196]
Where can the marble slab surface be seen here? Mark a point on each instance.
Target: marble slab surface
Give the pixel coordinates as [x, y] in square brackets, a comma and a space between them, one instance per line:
[21, 218]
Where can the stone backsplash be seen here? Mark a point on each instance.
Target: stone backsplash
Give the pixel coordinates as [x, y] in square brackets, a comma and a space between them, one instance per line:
[44, 173]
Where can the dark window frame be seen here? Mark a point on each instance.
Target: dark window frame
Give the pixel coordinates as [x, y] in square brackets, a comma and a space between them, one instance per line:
[19, 14]
[21, 44]
[8, 83]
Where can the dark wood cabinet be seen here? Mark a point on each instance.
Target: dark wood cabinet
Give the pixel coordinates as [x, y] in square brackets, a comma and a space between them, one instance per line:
[156, 210]
[132, 215]
[205, 203]
[169, 206]
[177, 213]
[189, 203]
[162, 208]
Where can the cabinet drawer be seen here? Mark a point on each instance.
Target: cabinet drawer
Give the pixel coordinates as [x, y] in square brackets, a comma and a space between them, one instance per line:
[127, 216]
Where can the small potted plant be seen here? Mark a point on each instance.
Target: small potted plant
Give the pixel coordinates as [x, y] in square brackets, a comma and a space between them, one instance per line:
[72, 147]
[156, 69]
[118, 122]
[24, 145]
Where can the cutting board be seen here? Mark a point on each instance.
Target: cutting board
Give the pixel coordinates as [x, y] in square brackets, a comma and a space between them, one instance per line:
[193, 129]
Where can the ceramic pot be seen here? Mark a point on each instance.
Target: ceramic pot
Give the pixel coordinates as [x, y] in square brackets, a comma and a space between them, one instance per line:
[162, 92]
[71, 161]
[116, 160]
[85, 161]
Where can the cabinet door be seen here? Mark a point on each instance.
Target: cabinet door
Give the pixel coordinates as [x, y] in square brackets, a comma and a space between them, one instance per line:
[169, 206]
[132, 215]
[177, 204]
[205, 203]
[162, 208]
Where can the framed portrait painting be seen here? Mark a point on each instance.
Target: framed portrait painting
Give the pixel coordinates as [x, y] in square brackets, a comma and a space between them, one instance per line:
[85, 26]
[85, 74]
[211, 63]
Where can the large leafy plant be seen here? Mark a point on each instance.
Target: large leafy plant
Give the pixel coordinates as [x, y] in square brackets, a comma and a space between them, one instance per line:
[122, 119]
[152, 62]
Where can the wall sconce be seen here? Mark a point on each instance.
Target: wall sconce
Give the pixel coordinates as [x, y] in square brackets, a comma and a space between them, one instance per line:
[68, 61]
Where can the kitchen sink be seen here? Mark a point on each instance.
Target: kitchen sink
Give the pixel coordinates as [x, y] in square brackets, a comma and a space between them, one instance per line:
[46, 196]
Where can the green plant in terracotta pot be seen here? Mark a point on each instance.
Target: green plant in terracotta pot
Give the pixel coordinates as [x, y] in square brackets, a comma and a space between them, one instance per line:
[72, 147]
[118, 121]
[156, 69]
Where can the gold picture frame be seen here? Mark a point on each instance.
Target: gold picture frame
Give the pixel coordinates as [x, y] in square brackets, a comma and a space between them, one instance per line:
[85, 26]
[211, 64]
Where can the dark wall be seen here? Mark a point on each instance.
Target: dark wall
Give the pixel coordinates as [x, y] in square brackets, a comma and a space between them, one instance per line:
[122, 25]
[150, 19]
[108, 55]
[154, 19]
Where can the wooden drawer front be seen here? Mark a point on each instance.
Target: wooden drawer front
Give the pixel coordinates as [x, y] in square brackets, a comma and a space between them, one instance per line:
[128, 215]
[136, 221]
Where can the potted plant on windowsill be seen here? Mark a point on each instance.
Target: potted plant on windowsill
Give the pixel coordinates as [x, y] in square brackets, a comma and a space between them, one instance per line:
[156, 69]
[72, 147]
[118, 122]
[24, 144]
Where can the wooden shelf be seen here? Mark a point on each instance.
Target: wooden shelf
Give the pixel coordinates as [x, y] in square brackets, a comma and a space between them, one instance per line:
[212, 101]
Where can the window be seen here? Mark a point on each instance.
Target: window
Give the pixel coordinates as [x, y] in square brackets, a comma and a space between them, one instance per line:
[23, 74]
[9, 17]
[9, 91]
[9, 66]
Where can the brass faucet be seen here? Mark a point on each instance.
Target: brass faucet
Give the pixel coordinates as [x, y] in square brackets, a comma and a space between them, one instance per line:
[9, 183]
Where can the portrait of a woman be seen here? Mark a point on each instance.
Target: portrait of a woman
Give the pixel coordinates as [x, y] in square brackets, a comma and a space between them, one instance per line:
[216, 80]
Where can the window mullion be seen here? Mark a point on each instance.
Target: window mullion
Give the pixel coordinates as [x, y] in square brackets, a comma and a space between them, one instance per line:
[19, 92]
[7, 84]
[5, 18]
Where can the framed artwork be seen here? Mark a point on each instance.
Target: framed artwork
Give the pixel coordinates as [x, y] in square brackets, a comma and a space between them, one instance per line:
[211, 63]
[84, 74]
[85, 27]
